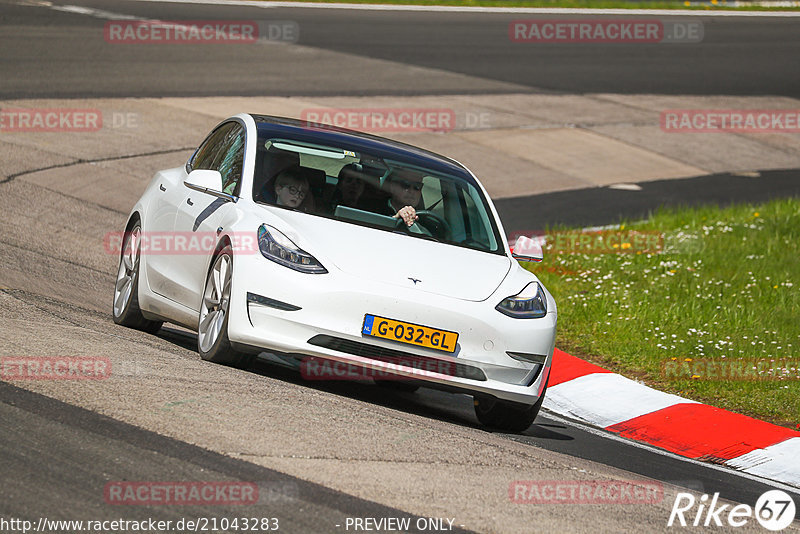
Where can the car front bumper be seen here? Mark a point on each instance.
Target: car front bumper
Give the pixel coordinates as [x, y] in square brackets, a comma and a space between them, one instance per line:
[275, 309]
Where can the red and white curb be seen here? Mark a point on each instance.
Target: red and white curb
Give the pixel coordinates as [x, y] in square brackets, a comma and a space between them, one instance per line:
[590, 394]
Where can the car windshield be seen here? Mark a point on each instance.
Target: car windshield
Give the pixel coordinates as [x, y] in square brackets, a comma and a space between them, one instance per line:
[369, 189]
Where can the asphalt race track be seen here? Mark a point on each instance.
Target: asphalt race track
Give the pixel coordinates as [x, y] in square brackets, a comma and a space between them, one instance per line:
[737, 57]
[324, 453]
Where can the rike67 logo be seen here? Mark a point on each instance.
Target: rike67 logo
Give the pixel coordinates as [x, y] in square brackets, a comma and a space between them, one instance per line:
[774, 510]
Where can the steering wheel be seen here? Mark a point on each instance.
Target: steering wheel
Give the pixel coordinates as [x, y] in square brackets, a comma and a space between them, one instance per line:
[413, 229]
[434, 223]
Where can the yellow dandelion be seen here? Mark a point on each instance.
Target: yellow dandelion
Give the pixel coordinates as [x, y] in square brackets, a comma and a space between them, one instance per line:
[626, 245]
[695, 377]
[755, 214]
[622, 227]
[615, 245]
[673, 271]
[774, 287]
[687, 359]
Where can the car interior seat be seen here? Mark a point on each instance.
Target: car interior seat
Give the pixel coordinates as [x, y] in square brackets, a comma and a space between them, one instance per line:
[373, 198]
[316, 185]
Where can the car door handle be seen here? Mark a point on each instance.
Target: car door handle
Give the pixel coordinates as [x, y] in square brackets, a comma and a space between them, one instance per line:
[161, 186]
[189, 201]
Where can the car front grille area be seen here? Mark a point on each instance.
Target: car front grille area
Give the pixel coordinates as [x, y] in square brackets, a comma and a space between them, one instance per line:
[399, 358]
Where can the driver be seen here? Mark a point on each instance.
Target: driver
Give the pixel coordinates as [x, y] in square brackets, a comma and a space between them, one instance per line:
[405, 188]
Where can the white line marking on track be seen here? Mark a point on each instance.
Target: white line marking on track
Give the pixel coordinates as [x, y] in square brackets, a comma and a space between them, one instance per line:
[92, 12]
[485, 9]
[78, 10]
[775, 461]
[626, 187]
[623, 399]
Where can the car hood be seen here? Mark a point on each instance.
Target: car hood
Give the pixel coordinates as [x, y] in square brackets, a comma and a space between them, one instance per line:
[397, 258]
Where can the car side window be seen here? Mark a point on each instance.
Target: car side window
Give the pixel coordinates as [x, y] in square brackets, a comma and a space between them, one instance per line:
[223, 151]
[204, 156]
[230, 160]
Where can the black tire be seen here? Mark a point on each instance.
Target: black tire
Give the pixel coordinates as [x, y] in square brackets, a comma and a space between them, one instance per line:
[128, 313]
[507, 416]
[220, 350]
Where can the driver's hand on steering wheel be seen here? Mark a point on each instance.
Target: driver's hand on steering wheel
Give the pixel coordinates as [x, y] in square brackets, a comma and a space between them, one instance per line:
[408, 214]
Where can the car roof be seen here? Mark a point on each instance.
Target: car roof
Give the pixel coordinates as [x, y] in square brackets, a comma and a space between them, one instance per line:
[277, 127]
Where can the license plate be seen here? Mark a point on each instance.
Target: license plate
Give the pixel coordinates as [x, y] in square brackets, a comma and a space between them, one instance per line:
[412, 334]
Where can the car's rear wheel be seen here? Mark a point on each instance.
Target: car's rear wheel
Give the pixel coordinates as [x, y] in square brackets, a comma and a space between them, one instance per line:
[126, 309]
[212, 330]
[507, 416]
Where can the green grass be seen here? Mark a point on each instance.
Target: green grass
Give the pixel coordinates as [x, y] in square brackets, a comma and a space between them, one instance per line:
[724, 286]
[594, 4]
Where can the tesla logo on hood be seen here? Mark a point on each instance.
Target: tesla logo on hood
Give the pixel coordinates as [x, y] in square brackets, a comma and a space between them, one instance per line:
[415, 280]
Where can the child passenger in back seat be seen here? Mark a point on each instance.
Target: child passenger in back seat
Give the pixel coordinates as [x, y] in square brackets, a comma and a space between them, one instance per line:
[291, 189]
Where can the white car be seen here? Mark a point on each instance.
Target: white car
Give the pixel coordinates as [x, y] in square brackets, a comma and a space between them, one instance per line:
[340, 250]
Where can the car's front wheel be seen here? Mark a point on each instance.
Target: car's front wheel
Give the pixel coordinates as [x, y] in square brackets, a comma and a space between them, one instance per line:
[212, 330]
[507, 416]
[126, 309]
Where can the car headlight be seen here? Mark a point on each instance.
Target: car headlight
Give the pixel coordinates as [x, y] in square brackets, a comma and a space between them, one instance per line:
[275, 246]
[530, 303]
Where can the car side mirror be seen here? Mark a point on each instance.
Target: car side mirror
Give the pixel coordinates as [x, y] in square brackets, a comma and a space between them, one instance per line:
[207, 181]
[527, 249]
[202, 179]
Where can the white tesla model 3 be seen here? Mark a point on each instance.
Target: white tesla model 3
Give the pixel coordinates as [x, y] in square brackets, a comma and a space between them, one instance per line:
[285, 238]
